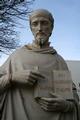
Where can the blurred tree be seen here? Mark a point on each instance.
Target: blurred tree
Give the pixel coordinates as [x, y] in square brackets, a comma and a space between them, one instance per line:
[10, 12]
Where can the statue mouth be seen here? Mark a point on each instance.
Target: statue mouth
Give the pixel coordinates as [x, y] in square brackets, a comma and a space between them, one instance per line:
[40, 33]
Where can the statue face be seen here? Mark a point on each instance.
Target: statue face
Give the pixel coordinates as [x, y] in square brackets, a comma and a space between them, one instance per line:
[41, 28]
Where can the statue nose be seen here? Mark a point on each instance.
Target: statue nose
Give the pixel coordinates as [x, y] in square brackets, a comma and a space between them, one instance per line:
[39, 27]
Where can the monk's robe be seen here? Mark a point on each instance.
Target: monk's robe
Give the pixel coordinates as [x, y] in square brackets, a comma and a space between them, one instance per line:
[17, 101]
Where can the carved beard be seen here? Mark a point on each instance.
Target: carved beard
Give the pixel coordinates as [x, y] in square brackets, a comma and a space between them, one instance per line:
[41, 42]
[41, 39]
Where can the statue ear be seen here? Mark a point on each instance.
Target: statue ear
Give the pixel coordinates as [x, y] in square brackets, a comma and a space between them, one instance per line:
[51, 30]
[30, 22]
[30, 27]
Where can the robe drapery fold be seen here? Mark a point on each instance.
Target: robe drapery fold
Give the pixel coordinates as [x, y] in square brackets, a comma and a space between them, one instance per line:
[17, 101]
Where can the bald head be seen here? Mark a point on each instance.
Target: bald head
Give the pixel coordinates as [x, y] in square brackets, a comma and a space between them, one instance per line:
[41, 24]
[42, 13]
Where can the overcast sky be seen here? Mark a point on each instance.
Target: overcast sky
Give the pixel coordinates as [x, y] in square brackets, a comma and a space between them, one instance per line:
[66, 33]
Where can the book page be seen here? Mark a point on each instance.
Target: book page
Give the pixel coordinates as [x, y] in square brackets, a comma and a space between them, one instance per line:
[44, 86]
[63, 83]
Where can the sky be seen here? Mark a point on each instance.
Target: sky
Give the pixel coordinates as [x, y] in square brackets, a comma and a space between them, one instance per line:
[66, 33]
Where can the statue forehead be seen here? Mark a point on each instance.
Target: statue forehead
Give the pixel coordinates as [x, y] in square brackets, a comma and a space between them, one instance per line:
[41, 13]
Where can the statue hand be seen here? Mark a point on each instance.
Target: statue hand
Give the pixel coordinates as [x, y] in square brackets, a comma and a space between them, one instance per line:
[27, 77]
[33, 76]
[56, 103]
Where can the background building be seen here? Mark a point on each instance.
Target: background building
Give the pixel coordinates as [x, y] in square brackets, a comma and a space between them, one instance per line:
[74, 67]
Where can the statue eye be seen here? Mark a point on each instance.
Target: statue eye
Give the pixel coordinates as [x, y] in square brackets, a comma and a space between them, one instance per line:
[34, 24]
[44, 22]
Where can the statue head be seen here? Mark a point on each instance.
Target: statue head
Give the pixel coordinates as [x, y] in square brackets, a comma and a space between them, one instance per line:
[41, 24]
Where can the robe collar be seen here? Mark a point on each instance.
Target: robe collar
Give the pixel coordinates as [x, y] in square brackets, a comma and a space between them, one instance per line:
[46, 50]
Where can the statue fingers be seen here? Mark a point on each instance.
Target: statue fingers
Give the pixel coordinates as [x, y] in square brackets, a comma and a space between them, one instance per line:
[49, 103]
[48, 107]
[31, 80]
[38, 75]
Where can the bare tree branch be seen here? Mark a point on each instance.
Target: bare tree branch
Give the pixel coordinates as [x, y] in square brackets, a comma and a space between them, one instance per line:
[10, 12]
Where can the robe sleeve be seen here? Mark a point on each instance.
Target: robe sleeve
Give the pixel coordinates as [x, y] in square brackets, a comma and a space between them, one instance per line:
[76, 101]
[10, 77]
[5, 75]
[63, 65]
[4, 84]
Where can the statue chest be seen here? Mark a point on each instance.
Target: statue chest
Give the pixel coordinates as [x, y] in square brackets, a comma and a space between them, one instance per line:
[31, 60]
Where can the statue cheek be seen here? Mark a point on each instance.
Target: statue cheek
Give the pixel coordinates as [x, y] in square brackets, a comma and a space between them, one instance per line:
[34, 30]
[46, 29]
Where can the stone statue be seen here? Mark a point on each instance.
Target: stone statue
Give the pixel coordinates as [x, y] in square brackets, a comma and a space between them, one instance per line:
[20, 74]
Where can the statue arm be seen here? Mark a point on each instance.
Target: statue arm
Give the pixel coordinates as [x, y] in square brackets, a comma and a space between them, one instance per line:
[8, 77]
[21, 77]
[4, 82]
[5, 75]
[26, 77]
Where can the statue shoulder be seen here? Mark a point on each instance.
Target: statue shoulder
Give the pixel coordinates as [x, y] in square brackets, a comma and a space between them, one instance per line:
[10, 57]
[61, 62]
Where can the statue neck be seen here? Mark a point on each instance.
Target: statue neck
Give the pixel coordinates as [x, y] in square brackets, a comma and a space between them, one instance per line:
[45, 45]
